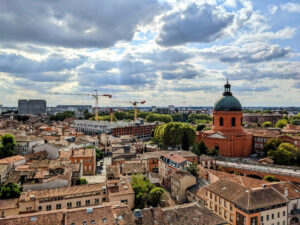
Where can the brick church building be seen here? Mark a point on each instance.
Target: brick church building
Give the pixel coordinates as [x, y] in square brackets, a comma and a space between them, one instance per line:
[227, 134]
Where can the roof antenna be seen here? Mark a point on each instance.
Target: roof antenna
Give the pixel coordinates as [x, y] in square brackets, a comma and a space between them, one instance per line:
[227, 80]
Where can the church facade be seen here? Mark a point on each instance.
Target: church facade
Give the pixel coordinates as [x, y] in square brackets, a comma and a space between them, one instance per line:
[227, 134]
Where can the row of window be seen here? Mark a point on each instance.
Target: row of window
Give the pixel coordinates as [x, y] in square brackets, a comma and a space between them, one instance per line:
[272, 216]
[69, 204]
[219, 200]
[86, 160]
[104, 220]
[233, 121]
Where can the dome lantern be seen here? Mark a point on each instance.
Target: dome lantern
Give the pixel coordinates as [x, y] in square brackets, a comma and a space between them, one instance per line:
[228, 102]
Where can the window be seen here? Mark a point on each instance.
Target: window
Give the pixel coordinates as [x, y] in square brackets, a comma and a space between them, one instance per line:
[69, 205]
[78, 203]
[104, 220]
[242, 121]
[221, 122]
[267, 217]
[84, 223]
[283, 213]
[103, 199]
[90, 167]
[96, 200]
[253, 221]
[48, 207]
[262, 219]
[93, 222]
[87, 202]
[124, 201]
[233, 121]
[278, 214]
[58, 206]
[40, 208]
[272, 216]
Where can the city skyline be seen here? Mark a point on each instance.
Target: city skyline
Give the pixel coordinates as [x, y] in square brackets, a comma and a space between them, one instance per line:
[165, 52]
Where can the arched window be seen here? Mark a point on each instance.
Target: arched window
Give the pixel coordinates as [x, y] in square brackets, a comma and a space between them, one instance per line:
[221, 122]
[233, 121]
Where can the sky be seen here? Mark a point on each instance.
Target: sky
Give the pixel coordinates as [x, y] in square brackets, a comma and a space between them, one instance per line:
[166, 52]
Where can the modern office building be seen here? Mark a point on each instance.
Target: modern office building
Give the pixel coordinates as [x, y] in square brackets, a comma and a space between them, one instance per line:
[32, 106]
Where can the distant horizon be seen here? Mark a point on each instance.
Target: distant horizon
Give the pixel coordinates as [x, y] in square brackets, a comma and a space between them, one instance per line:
[161, 51]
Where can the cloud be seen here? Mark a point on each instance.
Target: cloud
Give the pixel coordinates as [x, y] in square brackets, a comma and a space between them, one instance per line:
[187, 74]
[256, 52]
[197, 23]
[192, 88]
[50, 69]
[74, 23]
[285, 33]
[260, 55]
[291, 7]
[272, 9]
[278, 71]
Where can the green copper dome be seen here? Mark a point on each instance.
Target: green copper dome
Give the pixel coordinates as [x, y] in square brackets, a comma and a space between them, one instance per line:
[228, 102]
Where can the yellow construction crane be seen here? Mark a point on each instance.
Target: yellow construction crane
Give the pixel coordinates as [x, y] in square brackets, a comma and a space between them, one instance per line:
[94, 95]
[135, 103]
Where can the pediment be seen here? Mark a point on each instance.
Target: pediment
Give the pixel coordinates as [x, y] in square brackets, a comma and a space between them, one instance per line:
[217, 135]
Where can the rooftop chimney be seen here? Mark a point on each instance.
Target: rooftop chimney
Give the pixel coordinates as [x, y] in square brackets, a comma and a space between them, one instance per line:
[286, 192]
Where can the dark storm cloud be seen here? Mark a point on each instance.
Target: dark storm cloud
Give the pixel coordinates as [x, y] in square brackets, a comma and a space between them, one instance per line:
[203, 23]
[42, 71]
[73, 23]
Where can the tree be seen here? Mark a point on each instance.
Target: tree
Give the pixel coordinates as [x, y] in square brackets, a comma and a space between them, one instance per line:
[7, 146]
[62, 116]
[142, 187]
[271, 144]
[270, 178]
[199, 118]
[281, 123]
[82, 181]
[153, 117]
[285, 154]
[199, 148]
[267, 124]
[212, 152]
[10, 190]
[193, 169]
[185, 141]
[200, 126]
[174, 134]
[177, 117]
[155, 196]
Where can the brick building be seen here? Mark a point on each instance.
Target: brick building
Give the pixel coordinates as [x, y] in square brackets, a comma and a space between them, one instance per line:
[260, 138]
[85, 156]
[152, 158]
[261, 118]
[227, 134]
[242, 206]
[77, 196]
